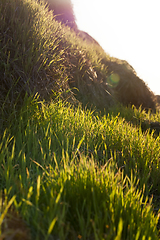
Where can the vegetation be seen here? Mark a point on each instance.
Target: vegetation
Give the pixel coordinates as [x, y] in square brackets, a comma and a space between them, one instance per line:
[69, 171]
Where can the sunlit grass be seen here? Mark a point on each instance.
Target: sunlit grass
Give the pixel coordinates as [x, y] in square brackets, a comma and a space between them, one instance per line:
[67, 172]
[76, 174]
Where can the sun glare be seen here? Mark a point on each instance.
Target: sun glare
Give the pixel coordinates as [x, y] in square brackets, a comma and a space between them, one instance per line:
[127, 30]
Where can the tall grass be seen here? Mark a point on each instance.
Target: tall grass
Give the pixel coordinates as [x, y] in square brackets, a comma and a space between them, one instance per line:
[31, 56]
[73, 174]
[39, 54]
[67, 172]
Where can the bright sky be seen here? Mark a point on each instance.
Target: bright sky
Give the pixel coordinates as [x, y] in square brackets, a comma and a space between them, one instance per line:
[126, 29]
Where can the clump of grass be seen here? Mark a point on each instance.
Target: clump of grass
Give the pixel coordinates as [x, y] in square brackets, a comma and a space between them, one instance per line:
[31, 56]
[92, 203]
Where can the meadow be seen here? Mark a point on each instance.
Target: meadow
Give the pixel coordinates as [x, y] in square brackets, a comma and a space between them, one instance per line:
[71, 166]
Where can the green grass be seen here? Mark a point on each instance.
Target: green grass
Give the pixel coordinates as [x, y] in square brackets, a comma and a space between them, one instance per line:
[38, 54]
[77, 174]
[68, 171]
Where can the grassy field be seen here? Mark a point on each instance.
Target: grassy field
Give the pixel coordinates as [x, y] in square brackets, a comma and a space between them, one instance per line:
[70, 170]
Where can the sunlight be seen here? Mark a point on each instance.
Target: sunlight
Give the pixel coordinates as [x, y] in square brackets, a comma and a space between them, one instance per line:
[127, 30]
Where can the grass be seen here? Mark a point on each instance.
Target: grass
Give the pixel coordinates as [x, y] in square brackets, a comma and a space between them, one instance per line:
[78, 174]
[72, 165]
[39, 54]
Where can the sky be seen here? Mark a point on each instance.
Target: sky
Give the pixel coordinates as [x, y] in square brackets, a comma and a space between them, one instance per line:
[126, 29]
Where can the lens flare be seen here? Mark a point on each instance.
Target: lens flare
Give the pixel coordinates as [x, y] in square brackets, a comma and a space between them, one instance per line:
[113, 80]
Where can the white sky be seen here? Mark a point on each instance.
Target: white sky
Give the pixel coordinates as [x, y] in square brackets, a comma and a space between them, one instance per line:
[126, 29]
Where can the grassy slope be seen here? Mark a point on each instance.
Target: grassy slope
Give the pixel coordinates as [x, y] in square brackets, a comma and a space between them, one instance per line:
[78, 172]
[67, 172]
[38, 54]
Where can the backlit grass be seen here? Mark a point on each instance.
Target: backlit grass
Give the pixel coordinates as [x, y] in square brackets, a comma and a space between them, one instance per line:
[71, 173]
[68, 172]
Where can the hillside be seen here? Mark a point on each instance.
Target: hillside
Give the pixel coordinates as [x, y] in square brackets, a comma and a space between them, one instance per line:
[39, 54]
[78, 156]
